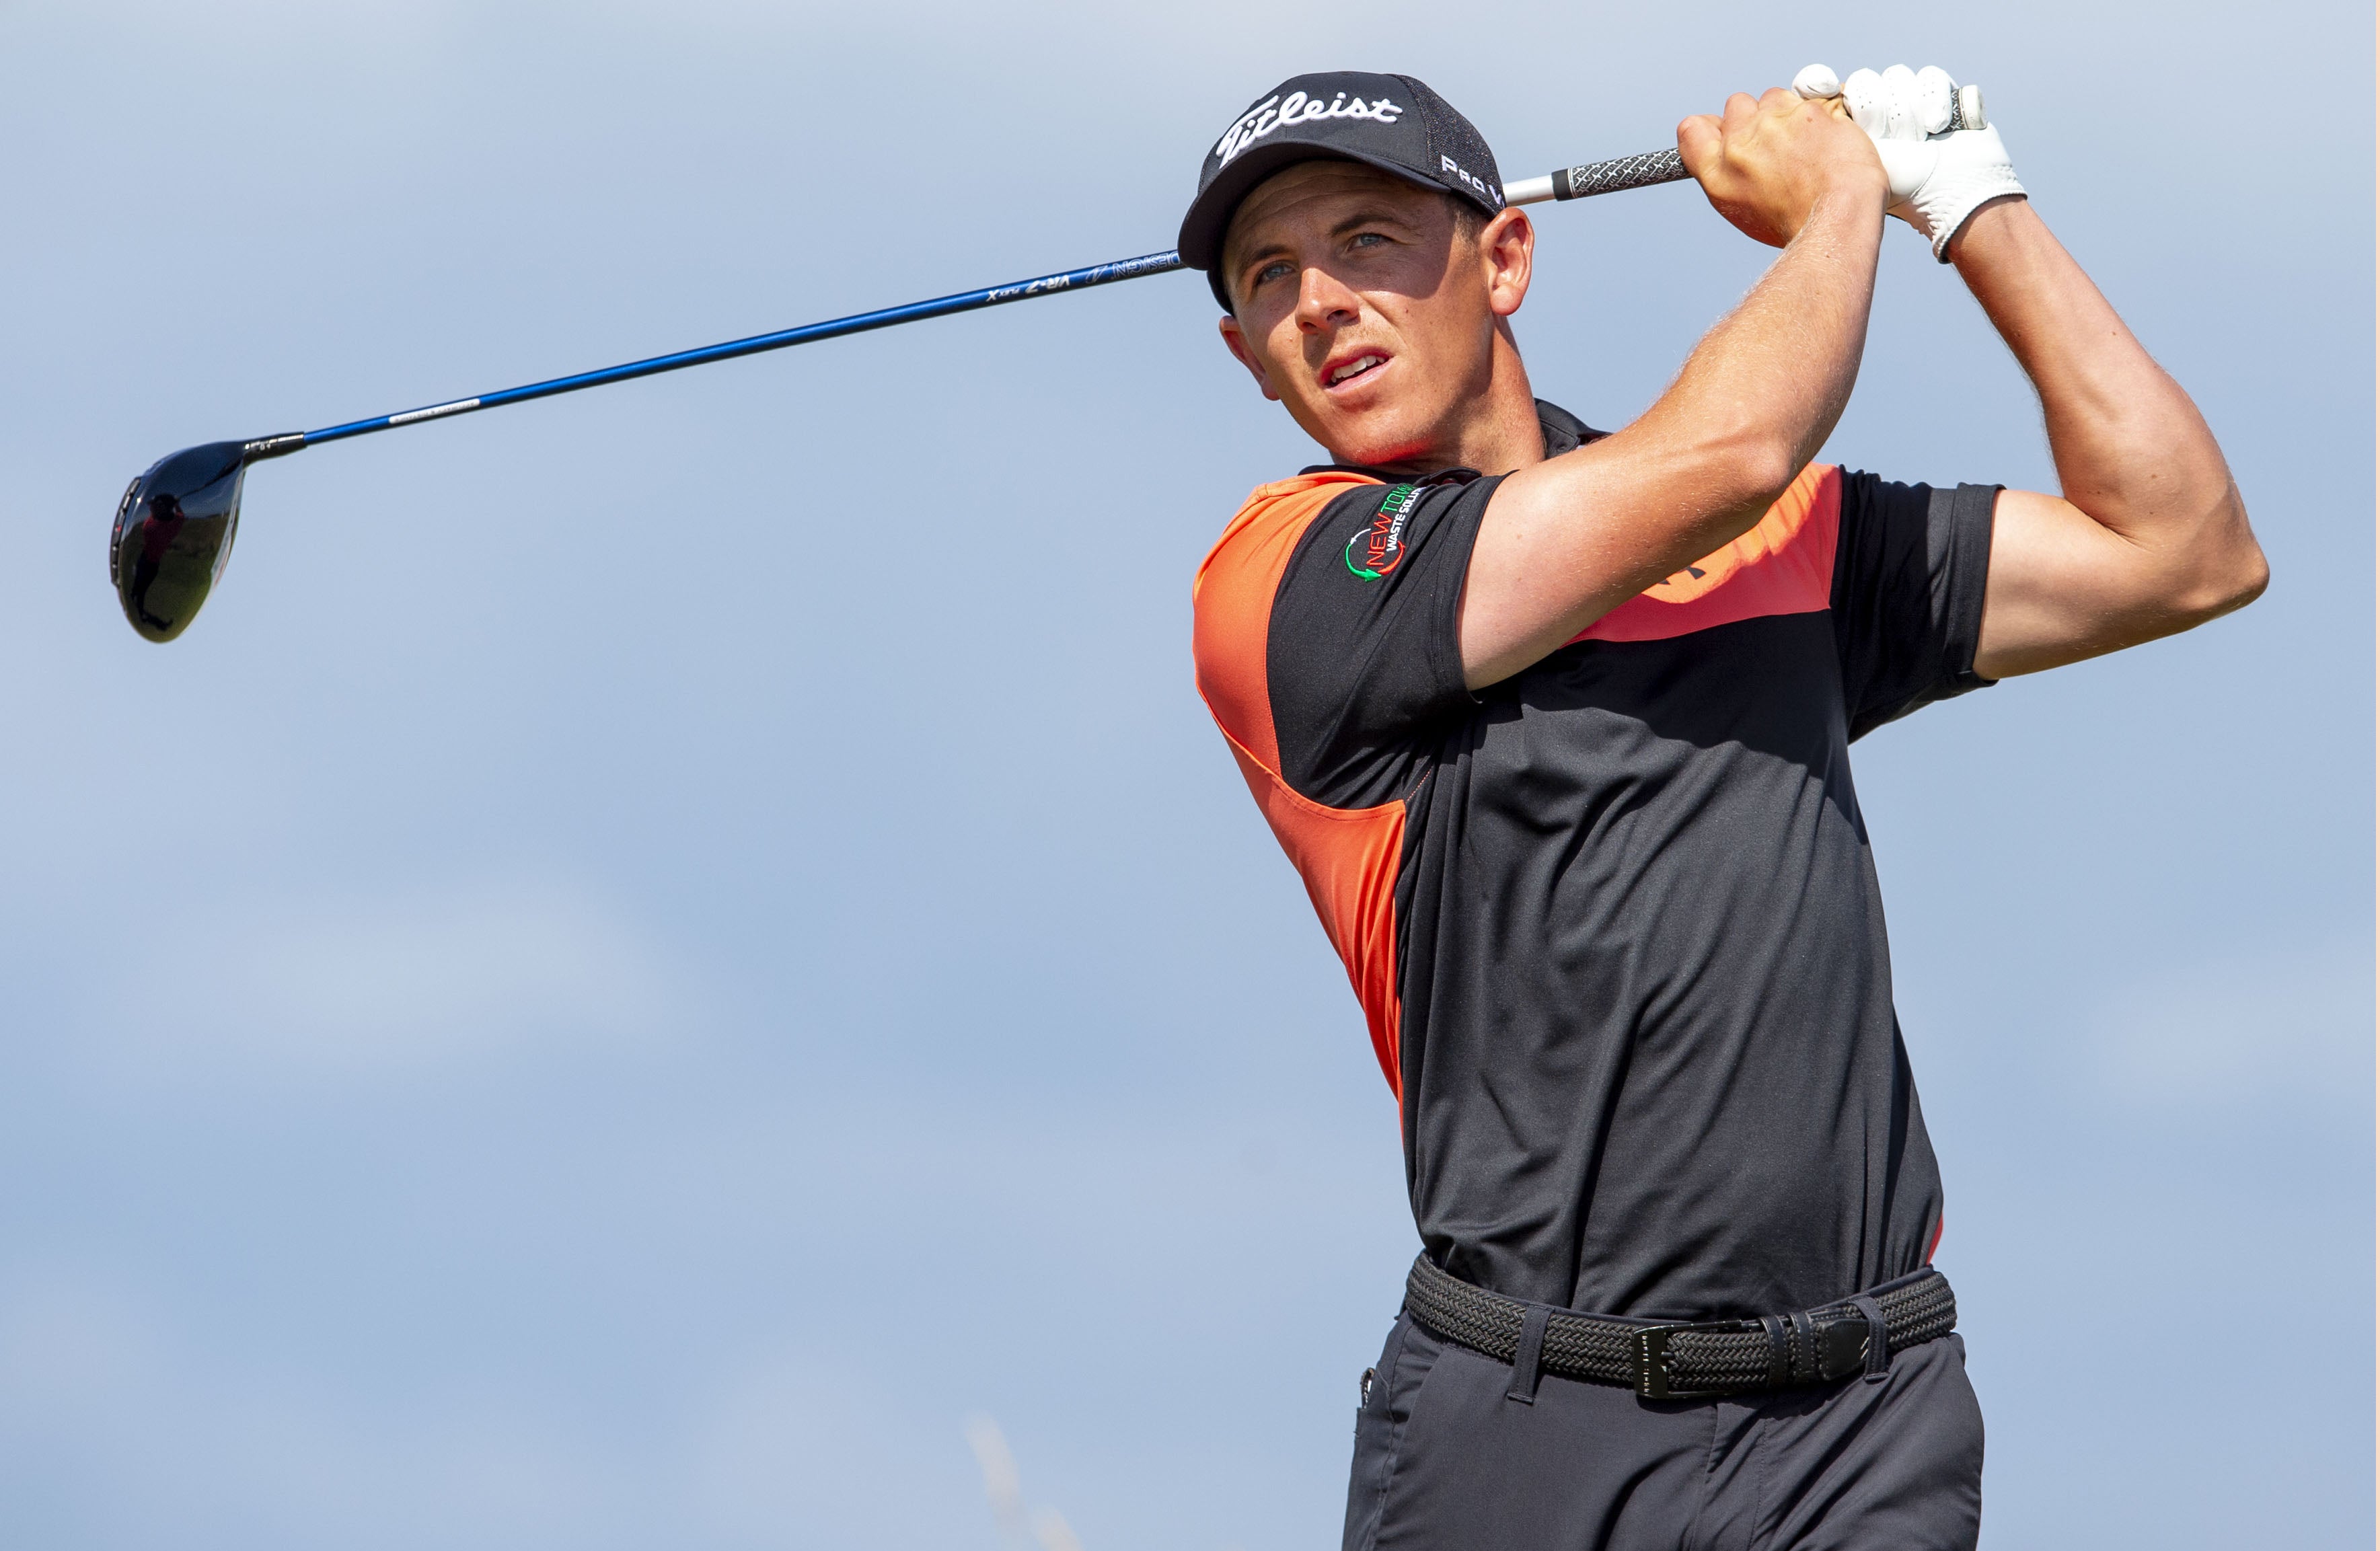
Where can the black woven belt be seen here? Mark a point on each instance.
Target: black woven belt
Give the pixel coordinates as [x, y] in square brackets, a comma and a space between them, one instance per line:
[1692, 1361]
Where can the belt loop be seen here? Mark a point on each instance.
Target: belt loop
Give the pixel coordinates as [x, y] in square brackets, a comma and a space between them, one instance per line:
[1879, 1342]
[1804, 1352]
[1780, 1352]
[1525, 1360]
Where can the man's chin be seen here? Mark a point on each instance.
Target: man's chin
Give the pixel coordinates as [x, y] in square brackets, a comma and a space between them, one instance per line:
[1372, 440]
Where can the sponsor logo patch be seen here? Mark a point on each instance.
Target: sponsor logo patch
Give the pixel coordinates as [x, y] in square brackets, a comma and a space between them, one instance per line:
[1374, 551]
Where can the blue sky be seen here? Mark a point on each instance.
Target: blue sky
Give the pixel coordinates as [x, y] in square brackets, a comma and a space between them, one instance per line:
[653, 953]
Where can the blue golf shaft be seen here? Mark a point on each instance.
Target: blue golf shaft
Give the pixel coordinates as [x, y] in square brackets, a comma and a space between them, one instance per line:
[859, 323]
[1569, 183]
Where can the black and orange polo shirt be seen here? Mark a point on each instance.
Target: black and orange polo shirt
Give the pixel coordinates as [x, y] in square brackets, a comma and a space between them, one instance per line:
[1613, 921]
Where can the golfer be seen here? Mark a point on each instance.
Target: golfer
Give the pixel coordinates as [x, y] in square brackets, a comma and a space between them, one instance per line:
[1554, 724]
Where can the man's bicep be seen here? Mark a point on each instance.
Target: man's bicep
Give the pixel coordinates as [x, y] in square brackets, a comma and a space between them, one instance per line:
[2062, 588]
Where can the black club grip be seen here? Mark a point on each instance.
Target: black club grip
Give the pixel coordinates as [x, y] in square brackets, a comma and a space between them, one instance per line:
[1625, 172]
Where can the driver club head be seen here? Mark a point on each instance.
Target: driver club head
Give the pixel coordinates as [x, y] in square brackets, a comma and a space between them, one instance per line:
[174, 530]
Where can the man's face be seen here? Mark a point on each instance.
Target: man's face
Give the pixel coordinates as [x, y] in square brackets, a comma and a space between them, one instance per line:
[1364, 305]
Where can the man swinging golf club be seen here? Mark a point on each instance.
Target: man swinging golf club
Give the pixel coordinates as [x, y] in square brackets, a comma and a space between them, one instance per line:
[1554, 725]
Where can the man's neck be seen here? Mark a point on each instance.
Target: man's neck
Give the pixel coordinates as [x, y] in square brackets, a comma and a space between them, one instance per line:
[1494, 429]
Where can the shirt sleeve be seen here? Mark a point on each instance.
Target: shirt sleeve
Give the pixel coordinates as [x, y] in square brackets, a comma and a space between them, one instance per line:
[1363, 656]
[1910, 562]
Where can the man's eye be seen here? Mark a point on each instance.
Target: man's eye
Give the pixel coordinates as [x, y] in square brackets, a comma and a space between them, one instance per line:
[1368, 239]
[1275, 272]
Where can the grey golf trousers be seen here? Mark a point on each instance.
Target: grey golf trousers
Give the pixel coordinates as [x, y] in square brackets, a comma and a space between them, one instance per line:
[1446, 1460]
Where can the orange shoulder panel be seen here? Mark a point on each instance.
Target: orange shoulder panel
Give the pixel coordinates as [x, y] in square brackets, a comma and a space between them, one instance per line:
[1347, 857]
[1785, 565]
[1231, 603]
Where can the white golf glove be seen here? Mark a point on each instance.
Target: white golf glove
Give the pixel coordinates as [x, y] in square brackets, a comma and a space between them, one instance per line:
[1939, 176]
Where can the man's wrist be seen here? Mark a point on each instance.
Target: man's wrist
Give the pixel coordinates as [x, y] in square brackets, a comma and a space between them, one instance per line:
[1987, 228]
[1855, 199]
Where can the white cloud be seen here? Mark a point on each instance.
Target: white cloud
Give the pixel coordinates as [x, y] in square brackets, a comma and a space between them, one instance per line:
[163, 1432]
[150, 1437]
[2291, 1025]
[402, 981]
[799, 1444]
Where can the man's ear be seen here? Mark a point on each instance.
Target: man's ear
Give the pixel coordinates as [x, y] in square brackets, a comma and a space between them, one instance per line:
[1237, 344]
[1508, 247]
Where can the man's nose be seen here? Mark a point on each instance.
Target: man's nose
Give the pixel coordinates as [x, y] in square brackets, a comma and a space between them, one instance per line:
[1324, 303]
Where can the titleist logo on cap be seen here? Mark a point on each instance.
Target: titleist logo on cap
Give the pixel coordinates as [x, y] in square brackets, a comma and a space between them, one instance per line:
[1296, 108]
[1393, 124]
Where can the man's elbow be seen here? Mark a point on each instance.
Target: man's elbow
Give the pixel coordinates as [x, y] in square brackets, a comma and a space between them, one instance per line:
[1746, 468]
[2227, 570]
[2249, 579]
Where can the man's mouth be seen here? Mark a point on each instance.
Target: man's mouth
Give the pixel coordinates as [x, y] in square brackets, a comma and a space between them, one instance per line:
[1354, 368]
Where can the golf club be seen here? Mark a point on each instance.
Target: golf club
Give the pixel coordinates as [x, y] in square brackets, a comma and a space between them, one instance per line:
[175, 525]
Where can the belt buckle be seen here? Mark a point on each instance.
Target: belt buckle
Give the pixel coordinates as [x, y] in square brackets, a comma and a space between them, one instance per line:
[1842, 1344]
[1652, 1344]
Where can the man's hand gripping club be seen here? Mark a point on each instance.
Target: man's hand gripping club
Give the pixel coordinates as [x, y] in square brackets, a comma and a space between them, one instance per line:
[1766, 165]
[1567, 540]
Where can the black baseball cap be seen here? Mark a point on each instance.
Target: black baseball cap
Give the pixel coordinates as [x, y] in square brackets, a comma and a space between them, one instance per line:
[1393, 123]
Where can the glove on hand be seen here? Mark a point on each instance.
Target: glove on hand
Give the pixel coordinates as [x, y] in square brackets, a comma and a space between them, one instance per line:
[1939, 176]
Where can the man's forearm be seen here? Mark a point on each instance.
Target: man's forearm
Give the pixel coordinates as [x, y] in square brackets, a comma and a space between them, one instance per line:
[1753, 405]
[2150, 537]
[2130, 448]
[1775, 375]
